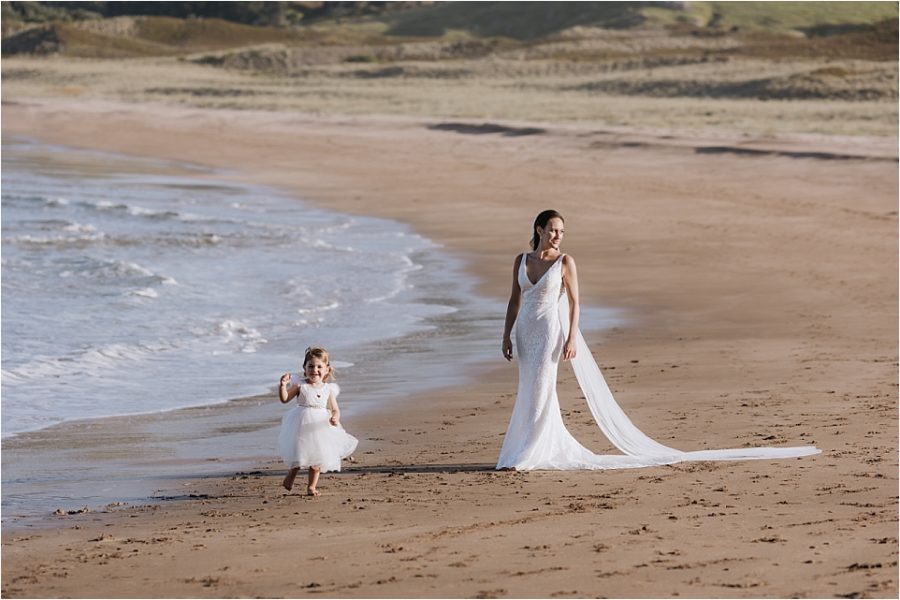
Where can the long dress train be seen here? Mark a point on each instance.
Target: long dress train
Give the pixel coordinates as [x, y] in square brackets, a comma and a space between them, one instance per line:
[537, 438]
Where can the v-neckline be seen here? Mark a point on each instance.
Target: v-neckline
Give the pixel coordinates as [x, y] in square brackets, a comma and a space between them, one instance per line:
[544, 274]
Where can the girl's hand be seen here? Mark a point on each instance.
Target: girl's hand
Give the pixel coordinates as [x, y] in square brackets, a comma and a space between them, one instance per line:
[285, 379]
[507, 349]
[334, 420]
[569, 350]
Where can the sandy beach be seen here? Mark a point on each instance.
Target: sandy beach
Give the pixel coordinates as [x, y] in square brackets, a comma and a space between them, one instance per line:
[730, 190]
[761, 297]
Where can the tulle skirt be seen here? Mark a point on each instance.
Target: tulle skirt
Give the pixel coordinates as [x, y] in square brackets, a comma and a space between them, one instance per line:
[307, 439]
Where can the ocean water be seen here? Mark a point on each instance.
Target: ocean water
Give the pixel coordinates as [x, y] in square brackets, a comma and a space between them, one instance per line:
[140, 287]
[128, 289]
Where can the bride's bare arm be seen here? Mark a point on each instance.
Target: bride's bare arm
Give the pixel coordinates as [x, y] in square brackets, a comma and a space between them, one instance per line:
[512, 311]
[570, 280]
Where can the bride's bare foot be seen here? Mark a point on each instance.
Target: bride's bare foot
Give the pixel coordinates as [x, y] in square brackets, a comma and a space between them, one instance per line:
[311, 491]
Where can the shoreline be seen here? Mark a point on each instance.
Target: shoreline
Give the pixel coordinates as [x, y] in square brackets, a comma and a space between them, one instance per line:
[756, 328]
[246, 427]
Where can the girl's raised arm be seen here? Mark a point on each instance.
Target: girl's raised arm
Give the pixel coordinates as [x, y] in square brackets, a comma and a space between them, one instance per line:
[286, 394]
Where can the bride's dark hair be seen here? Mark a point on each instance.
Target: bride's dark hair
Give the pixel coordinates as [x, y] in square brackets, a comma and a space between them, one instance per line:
[541, 221]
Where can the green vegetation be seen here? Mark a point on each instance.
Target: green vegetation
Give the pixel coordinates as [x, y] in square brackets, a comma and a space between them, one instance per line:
[251, 13]
[649, 49]
[197, 34]
[517, 20]
[798, 16]
[535, 20]
[79, 42]
[42, 12]
[270, 14]
[146, 36]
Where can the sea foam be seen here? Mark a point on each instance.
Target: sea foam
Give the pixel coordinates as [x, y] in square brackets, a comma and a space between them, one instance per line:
[138, 294]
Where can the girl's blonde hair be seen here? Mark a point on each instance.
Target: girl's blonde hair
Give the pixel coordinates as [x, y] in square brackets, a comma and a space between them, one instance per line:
[322, 354]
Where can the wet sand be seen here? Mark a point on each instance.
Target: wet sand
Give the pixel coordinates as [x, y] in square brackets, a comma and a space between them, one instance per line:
[759, 276]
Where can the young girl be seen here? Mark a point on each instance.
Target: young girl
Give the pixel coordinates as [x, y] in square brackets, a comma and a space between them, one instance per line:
[309, 437]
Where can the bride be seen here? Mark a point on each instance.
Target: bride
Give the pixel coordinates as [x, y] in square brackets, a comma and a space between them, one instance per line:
[544, 307]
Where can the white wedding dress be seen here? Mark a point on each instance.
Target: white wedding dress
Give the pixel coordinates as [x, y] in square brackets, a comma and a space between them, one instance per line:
[537, 438]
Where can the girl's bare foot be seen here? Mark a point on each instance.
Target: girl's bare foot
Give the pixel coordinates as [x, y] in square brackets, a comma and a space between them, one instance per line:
[288, 482]
[311, 491]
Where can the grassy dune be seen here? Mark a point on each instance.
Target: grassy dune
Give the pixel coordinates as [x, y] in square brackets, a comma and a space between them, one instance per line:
[534, 20]
[750, 66]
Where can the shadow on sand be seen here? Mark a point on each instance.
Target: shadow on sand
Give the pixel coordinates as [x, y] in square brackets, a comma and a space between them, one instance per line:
[455, 468]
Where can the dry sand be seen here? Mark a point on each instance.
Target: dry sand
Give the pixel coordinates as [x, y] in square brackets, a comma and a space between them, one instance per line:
[762, 294]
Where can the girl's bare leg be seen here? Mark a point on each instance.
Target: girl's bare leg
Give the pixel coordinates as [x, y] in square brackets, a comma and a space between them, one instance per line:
[288, 482]
[312, 480]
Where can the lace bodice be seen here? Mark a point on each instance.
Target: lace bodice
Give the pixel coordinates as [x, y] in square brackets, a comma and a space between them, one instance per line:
[316, 397]
[543, 295]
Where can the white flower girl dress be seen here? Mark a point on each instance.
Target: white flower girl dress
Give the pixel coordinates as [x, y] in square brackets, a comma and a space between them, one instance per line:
[307, 438]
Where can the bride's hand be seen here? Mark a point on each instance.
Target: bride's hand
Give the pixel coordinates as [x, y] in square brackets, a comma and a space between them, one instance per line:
[507, 349]
[569, 350]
